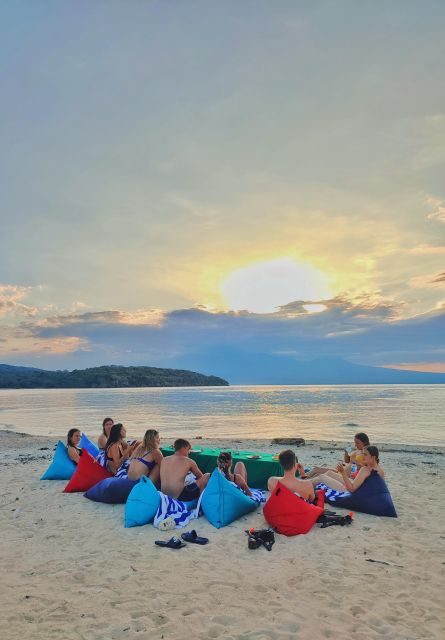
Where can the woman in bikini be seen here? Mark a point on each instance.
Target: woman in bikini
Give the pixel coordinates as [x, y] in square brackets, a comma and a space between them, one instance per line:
[361, 441]
[117, 450]
[106, 428]
[146, 459]
[72, 444]
[343, 482]
[239, 475]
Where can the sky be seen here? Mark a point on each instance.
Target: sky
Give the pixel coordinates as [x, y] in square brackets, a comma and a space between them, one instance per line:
[203, 176]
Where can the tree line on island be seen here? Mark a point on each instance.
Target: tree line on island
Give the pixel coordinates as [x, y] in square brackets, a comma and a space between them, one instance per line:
[111, 376]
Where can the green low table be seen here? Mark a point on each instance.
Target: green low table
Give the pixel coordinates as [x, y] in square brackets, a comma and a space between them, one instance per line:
[259, 469]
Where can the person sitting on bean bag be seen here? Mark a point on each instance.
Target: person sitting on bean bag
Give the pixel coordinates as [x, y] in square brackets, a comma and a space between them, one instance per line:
[239, 476]
[72, 444]
[106, 428]
[146, 459]
[300, 486]
[117, 450]
[351, 458]
[343, 482]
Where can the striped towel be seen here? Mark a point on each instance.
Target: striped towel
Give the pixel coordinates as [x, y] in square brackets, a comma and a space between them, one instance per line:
[258, 495]
[176, 510]
[122, 472]
[332, 495]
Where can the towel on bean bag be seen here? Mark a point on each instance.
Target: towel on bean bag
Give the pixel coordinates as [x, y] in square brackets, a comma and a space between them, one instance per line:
[85, 443]
[289, 514]
[223, 502]
[111, 490]
[146, 504]
[372, 497]
[177, 511]
[87, 474]
[61, 467]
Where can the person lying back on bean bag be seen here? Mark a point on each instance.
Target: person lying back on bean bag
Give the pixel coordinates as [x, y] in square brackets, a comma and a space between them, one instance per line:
[343, 482]
[351, 457]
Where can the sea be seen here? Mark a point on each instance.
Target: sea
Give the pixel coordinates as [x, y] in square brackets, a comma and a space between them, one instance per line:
[398, 414]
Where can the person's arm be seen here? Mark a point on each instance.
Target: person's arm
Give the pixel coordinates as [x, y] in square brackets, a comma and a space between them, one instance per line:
[102, 441]
[242, 484]
[73, 454]
[272, 483]
[195, 469]
[301, 471]
[157, 456]
[353, 485]
[347, 457]
[115, 458]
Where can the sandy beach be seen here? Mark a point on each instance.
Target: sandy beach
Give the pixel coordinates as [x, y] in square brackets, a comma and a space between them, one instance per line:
[71, 570]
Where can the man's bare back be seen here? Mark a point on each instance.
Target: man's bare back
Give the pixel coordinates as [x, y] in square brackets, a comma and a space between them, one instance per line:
[290, 464]
[174, 470]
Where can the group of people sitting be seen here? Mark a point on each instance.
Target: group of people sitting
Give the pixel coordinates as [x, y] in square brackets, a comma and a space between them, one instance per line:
[179, 476]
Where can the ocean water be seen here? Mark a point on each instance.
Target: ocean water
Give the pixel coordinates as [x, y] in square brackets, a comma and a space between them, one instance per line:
[402, 414]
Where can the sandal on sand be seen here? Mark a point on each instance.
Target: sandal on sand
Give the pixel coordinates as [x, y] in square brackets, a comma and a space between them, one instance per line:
[192, 536]
[173, 543]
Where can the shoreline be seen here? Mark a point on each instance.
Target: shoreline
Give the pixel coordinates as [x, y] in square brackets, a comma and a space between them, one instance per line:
[74, 571]
[263, 444]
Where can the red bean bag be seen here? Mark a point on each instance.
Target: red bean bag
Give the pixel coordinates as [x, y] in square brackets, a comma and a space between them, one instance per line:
[290, 515]
[87, 474]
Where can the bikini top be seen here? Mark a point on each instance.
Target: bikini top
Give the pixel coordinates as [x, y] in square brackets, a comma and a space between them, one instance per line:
[150, 464]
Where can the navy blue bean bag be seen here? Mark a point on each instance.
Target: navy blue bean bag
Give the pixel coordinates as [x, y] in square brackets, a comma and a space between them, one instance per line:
[111, 490]
[372, 497]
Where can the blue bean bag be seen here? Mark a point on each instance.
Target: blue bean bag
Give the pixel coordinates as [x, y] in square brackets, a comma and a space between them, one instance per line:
[61, 467]
[142, 503]
[372, 497]
[222, 502]
[85, 443]
[111, 490]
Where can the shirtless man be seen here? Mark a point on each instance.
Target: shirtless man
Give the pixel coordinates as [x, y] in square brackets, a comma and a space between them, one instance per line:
[174, 472]
[300, 486]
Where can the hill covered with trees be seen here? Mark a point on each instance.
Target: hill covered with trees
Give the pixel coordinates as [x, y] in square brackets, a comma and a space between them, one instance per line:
[103, 377]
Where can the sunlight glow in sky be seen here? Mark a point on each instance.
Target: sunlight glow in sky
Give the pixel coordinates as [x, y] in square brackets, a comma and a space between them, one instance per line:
[264, 287]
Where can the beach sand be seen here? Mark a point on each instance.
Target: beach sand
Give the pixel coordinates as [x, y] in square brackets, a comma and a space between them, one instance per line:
[71, 571]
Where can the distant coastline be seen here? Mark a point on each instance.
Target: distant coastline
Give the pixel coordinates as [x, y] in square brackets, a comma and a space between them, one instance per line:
[106, 377]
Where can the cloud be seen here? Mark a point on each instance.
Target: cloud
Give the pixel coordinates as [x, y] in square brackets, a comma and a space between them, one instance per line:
[24, 341]
[438, 206]
[432, 367]
[432, 280]
[10, 304]
[366, 329]
[427, 249]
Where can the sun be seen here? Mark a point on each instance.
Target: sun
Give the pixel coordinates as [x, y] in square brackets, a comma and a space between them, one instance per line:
[265, 286]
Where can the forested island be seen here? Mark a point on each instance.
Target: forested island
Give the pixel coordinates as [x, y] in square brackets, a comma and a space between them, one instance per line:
[103, 377]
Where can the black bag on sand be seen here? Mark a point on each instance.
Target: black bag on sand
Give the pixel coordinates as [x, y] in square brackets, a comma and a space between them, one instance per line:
[263, 537]
[330, 519]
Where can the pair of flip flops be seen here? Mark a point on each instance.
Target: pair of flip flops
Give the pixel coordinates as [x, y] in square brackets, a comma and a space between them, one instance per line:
[176, 543]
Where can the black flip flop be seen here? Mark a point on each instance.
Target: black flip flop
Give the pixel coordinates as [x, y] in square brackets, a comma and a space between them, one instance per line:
[192, 536]
[173, 543]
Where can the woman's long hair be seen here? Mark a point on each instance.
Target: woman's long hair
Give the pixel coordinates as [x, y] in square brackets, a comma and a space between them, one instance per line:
[71, 432]
[373, 451]
[148, 444]
[224, 463]
[115, 435]
[362, 437]
[104, 422]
